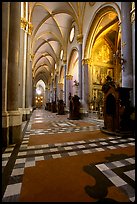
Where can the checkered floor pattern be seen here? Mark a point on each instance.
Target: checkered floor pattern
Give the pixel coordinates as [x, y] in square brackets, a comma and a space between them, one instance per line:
[29, 155]
[108, 170]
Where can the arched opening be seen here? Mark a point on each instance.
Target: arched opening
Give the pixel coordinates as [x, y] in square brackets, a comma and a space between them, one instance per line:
[103, 48]
[40, 94]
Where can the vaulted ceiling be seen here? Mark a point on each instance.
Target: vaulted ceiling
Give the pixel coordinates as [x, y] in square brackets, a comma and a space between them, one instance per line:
[52, 23]
[51, 27]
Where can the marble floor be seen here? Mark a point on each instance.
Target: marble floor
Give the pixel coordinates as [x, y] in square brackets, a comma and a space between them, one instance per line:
[48, 136]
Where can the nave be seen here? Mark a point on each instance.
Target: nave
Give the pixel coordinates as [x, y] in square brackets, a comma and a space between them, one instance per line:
[63, 160]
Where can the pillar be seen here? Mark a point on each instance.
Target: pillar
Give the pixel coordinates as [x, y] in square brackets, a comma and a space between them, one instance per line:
[85, 83]
[51, 91]
[15, 118]
[68, 88]
[5, 40]
[65, 69]
[79, 41]
[57, 91]
[60, 89]
[126, 46]
[21, 61]
[28, 87]
[133, 47]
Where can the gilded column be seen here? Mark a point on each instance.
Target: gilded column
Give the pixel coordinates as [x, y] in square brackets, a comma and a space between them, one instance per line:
[15, 118]
[5, 40]
[126, 46]
[79, 41]
[133, 47]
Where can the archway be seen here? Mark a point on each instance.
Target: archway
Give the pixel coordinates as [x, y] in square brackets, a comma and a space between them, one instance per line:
[102, 49]
[40, 94]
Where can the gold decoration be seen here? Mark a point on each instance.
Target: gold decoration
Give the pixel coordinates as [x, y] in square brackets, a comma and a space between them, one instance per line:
[79, 38]
[64, 61]
[133, 12]
[31, 57]
[123, 44]
[133, 17]
[23, 24]
[85, 61]
[119, 26]
[30, 28]
[69, 77]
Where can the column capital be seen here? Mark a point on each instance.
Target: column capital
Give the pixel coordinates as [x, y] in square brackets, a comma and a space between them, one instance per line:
[64, 61]
[69, 77]
[85, 61]
[59, 83]
[30, 28]
[57, 73]
[133, 12]
[79, 38]
[23, 24]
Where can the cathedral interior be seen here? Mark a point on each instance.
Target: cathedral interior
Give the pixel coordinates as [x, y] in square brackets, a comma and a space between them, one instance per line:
[68, 101]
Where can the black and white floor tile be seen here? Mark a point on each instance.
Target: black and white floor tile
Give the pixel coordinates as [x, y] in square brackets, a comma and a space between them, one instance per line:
[28, 155]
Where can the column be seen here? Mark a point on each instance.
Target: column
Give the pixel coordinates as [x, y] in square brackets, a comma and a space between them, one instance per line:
[85, 83]
[57, 91]
[126, 47]
[133, 47]
[5, 40]
[68, 88]
[60, 89]
[51, 91]
[33, 93]
[79, 41]
[28, 87]
[15, 118]
[65, 69]
[46, 94]
[21, 60]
